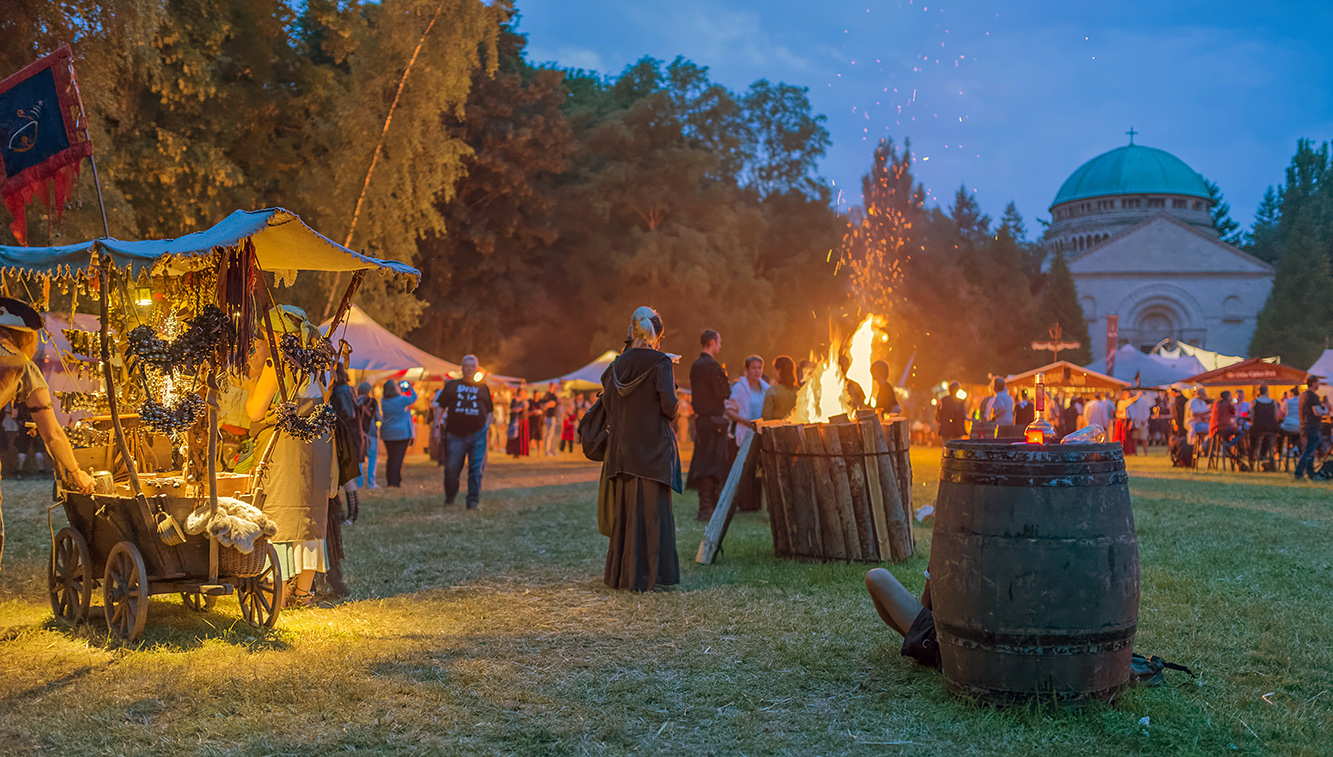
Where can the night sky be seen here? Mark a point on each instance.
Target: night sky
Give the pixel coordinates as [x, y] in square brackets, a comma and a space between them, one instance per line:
[1007, 98]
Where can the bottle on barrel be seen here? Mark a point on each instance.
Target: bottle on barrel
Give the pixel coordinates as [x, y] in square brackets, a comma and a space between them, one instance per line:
[1039, 431]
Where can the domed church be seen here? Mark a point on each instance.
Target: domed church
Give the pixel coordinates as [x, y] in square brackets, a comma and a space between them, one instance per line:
[1135, 226]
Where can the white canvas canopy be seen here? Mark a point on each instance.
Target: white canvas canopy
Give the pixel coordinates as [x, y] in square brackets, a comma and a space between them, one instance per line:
[1323, 367]
[376, 352]
[586, 379]
[1152, 370]
[1210, 361]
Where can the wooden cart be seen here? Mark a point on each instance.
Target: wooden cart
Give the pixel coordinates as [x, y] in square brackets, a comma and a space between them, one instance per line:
[114, 540]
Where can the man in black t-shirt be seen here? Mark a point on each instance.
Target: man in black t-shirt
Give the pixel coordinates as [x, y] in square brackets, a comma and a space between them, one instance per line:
[1312, 412]
[550, 434]
[466, 403]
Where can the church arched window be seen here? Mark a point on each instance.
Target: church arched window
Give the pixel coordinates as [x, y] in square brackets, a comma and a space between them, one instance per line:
[1232, 311]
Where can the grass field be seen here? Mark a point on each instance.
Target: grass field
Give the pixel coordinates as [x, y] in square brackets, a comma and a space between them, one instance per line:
[490, 632]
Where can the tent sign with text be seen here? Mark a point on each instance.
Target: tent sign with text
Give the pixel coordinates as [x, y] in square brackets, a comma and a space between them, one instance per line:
[42, 136]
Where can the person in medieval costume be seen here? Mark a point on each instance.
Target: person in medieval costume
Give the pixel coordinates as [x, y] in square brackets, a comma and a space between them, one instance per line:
[301, 476]
[710, 390]
[642, 464]
[22, 383]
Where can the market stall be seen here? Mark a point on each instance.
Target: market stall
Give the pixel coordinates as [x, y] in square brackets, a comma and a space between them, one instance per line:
[177, 323]
[1063, 375]
[1248, 375]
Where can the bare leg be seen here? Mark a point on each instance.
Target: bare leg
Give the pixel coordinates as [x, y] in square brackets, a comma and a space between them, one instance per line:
[894, 603]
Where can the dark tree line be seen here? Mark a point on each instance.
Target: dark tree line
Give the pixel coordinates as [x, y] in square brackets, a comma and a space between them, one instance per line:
[543, 205]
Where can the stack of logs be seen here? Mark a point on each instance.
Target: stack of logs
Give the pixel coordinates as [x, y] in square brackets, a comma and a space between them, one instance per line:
[840, 490]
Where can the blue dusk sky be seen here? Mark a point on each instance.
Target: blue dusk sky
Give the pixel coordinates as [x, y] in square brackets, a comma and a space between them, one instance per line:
[1007, 98]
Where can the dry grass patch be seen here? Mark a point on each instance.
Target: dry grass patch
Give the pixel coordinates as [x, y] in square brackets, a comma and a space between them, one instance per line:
[490, 633]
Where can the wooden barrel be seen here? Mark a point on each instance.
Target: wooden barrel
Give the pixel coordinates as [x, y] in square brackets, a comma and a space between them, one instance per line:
[1034, 571]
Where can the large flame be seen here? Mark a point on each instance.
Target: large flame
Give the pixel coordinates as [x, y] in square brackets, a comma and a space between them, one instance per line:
[825, 394]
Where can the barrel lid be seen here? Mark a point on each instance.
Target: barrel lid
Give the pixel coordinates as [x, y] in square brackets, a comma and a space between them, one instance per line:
[1004, 463]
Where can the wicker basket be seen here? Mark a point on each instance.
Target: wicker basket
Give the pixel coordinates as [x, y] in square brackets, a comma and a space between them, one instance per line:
[233, 562]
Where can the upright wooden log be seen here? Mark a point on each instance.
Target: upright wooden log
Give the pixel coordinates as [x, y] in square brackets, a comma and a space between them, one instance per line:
[773, 493]
[842, 490]
[876, 486]
[795, 478]
[901, 545]
[830, 521]
[849, 435]
[900, 444]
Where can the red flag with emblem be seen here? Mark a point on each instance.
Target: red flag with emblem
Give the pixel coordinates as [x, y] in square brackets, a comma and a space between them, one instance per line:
[43, 137]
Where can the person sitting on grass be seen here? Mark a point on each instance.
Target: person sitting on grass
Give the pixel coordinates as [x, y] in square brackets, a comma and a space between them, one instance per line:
[1222, 425]
[912, 619]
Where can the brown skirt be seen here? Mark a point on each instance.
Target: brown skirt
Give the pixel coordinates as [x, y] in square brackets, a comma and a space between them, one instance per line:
[643, 535]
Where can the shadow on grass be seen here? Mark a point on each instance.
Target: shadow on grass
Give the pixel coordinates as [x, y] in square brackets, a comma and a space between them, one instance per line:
[171, 627]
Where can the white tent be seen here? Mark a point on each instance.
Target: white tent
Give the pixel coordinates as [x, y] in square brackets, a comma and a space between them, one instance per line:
[1152, 370]
[376, 352]
[1323, 367]
[586, 379]
[1210, 361]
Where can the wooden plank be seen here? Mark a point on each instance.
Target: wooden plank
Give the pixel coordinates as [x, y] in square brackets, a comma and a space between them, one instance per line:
[876, 488]
[826, 508]
[901, 546]
[849, 434]
[901, 443]
[777, 509]
[842, 491]
[799, 539]
[809, 535]
[717, 525]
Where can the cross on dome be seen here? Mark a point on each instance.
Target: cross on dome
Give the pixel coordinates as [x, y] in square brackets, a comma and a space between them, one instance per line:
[1131, 134]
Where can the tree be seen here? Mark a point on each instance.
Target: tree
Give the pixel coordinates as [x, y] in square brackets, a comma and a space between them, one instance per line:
[1060, 305]
[1295, 321]
[1031, 255]
[483, 274]
[1262, 241]
[1227, 229]
[878, 242]
[786, 139]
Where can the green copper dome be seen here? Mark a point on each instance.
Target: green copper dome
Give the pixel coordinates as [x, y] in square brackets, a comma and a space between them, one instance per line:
[1132, 169]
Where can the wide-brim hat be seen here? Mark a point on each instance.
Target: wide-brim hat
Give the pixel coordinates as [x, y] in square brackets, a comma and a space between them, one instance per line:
[17, 314]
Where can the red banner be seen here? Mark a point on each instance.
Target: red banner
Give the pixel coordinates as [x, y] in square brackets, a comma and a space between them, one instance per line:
[1112, 342]
[43, 136]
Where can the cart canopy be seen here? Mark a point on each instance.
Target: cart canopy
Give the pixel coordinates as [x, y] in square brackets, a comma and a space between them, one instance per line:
[283, 242]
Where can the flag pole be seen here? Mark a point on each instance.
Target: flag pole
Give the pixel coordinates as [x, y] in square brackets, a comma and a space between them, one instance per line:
[106, 230]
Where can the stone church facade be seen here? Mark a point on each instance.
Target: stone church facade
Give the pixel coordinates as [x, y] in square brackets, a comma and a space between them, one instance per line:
[1135, 226]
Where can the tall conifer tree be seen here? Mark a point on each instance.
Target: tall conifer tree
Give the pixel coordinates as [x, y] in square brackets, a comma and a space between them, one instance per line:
[1059, 304]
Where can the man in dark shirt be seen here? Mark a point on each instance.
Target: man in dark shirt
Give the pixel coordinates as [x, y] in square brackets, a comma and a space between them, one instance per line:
[1024, 411]
[886, 396]
[1178, 405]
[950, 415]
[550, 434]
[709, 391]
[466, 403]
[1312, 412]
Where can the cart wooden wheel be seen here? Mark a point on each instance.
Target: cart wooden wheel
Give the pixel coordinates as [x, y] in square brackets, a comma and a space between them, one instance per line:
[261, 596]
[125, 592]
[70, 580]
[198, 602]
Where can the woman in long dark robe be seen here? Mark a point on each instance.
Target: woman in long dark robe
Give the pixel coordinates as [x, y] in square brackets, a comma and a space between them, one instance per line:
[642, 463]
